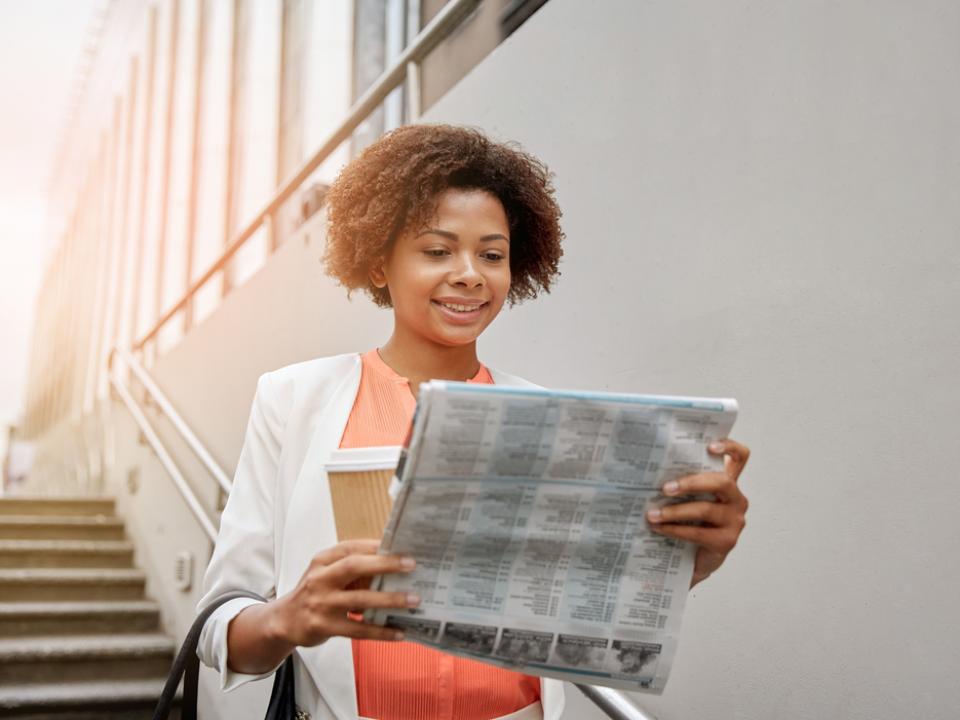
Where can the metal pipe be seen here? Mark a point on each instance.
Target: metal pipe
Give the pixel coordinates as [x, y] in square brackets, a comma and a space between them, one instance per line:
[166, 407]
[615, 704]
[413, 92]
[414, 95]
[428, 38]
[164, 457]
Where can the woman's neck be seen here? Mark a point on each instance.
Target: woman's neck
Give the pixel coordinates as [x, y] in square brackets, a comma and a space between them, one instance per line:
[420, 360]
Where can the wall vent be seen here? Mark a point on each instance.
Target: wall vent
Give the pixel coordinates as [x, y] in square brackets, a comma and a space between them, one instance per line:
[133, 480]
[183, 571]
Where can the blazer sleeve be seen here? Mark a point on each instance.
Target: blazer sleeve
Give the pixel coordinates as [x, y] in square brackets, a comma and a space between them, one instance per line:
[243, 557]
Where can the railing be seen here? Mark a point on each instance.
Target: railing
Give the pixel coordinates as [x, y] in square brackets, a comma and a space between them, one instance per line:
[615, 704]
[156, 396]
[406, 65]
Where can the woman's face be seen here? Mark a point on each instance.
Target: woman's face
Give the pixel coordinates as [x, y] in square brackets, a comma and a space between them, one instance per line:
[448, 280]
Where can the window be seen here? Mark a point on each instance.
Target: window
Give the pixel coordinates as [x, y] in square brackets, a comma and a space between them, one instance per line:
[253, 159]
[382, 28]
[209, 232]
[295, 26]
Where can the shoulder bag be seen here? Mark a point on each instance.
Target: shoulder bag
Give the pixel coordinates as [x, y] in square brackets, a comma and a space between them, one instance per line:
[187, 666]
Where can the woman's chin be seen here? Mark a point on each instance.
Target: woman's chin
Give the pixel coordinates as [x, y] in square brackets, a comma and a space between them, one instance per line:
[458, 341]
[456, 336]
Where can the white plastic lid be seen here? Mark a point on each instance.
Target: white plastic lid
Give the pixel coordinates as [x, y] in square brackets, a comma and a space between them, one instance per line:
[384, 457]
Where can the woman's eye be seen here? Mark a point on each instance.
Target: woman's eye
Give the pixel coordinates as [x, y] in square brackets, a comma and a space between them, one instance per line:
[435, 253]
[493, 256]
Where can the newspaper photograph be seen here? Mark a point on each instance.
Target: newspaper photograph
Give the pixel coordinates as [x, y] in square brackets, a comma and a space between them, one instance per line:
[525, 511]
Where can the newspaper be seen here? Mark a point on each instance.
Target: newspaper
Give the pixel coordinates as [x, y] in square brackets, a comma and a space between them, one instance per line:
[525, 510]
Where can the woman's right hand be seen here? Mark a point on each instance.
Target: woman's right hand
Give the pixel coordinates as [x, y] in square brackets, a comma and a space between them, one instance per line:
[336, 583]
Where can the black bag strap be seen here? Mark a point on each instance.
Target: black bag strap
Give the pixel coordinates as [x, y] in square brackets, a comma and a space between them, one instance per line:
[187, 664]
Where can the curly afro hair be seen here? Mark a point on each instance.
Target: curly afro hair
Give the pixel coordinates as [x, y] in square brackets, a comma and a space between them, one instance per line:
[394, 184]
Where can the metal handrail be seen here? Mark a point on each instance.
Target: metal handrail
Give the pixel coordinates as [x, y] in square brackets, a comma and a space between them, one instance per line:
[614, 703]
[435, 32]
[223, 480]
[206, 524]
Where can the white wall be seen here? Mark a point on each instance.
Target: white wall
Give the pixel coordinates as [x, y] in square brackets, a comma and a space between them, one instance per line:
[761, 200]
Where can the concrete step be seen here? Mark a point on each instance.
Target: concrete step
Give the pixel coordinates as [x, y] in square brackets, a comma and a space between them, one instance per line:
[65, 553]
[142, 713]
[19, 619]
[117, 700]
[27, 505]
[69, 584]
[60, 527]
[66, 659]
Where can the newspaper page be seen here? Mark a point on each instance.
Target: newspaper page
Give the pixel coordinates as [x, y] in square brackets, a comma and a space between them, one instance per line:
[525, 510]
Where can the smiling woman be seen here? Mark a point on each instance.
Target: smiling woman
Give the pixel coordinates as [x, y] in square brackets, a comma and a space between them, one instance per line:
[444, 226]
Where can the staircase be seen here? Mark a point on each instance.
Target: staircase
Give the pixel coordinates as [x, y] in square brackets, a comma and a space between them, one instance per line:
[78, 639]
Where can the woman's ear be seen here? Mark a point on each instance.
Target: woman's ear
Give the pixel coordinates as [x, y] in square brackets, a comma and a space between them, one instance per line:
[377, 276]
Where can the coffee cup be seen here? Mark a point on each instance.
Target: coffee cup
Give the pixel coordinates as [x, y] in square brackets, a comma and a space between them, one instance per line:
[359, 488]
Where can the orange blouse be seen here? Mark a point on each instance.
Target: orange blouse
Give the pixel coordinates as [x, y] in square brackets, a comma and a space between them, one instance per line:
[407, 681]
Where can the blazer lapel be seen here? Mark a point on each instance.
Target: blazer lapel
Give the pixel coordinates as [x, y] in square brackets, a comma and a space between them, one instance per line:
[552, 698]
[502, 378]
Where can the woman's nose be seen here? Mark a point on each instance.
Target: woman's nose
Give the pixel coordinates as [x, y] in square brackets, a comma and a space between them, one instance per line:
[466, 271]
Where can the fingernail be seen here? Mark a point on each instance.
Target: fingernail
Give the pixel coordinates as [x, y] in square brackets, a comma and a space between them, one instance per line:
[398, 635]
[413, 600]
[716, 446]
[408, 563]
[672, 487]
[654, 515]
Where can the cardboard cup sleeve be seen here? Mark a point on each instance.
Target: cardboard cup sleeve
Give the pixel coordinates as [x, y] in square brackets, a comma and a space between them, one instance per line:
[359, 481]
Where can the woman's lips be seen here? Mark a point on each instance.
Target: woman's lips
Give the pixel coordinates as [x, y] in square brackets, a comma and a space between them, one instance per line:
[460, 317]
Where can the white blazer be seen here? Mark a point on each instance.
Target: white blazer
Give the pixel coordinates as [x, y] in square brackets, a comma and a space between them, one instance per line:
[279, 515]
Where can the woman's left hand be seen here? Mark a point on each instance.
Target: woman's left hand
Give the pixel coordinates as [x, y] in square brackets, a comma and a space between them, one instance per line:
[720, 521]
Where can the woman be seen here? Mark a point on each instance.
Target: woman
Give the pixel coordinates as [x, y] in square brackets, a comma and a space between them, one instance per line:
[443, 226]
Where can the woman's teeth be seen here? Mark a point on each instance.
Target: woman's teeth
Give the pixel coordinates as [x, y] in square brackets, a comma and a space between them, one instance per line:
[460, 308]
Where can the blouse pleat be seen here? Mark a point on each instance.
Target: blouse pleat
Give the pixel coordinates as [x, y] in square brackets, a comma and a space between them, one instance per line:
[407, 681]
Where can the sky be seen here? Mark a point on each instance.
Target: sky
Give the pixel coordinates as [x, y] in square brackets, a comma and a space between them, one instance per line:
[41, 43]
